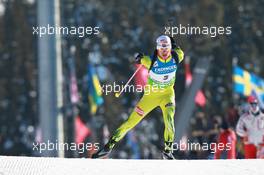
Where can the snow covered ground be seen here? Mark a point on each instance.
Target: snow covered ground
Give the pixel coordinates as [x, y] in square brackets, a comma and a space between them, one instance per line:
[54, 166]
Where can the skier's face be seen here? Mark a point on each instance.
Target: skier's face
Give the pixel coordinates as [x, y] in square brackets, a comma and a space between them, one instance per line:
[164, 50]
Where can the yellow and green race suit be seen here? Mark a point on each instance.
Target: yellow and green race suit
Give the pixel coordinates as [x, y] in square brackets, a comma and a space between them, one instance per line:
[160, 92]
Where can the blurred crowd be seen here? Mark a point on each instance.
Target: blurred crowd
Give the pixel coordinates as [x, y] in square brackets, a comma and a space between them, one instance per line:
[127, 27]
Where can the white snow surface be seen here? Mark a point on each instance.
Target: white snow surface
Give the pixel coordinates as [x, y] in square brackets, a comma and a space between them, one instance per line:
[10, 165]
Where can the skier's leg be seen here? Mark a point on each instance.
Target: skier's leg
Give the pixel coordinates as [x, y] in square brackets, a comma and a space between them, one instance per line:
[168, 110]
[144, 106]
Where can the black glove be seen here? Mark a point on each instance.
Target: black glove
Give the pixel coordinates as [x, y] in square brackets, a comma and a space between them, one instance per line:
[173, 43]
[138, 57]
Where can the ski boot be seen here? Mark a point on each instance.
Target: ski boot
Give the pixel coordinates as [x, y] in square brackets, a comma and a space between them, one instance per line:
[167, 152]
[105, 151]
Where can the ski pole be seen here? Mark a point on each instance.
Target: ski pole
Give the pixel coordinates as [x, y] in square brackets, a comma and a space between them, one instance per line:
[170, 24]
[119, 93]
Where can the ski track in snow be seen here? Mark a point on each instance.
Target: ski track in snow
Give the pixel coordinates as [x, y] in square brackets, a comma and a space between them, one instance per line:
[10, 165]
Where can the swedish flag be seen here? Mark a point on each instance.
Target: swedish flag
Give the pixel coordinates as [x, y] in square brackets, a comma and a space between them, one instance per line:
[245, 83]
[95, 91]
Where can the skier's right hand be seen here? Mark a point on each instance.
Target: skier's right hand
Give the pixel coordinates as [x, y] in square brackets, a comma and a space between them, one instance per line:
[138, 57]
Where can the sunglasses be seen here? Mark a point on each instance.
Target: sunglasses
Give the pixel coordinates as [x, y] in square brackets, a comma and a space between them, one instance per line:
[164, 46]
[253, 104]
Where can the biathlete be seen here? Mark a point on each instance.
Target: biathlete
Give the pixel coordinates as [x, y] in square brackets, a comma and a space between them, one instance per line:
[162, 67]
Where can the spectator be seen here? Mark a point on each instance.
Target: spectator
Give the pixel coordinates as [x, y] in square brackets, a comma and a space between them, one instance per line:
[227, 137]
